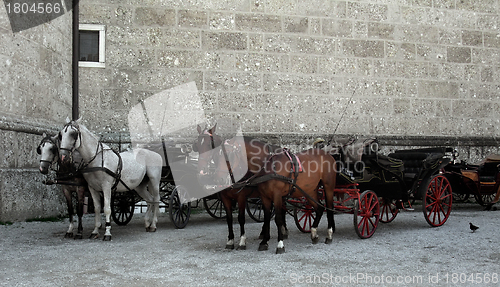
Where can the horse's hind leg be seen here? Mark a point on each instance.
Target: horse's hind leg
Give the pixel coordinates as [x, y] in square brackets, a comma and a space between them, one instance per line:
[228, 207]
[145, 195]
[267, 224]
[96, 198]
[314, 227]
[242, 202]
[279, 218]
[69, 202]
[154, 174]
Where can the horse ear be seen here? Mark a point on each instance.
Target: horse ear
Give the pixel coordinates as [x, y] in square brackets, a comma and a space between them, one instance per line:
[199, 129]
[212, 130]
[68, 120]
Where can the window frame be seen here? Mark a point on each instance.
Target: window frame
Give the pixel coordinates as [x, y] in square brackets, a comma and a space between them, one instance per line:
[102, 45]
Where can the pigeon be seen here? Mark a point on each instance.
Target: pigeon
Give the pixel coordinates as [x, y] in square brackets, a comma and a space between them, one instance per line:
[473, 227]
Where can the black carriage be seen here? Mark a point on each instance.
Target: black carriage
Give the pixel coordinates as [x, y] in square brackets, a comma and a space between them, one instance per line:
[480, 180]
[374, 186]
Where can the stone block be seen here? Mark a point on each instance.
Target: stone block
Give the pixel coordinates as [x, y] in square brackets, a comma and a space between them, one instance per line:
[491, 40]
[222, 21]
[258, 22]
[436, 89]
[193, 19]
[363, 48]
[366, 11]
[296, 24]
[380, 30]
[224, 41]
[337, 28]
[148, 16]
[472, 38]
[458, 54]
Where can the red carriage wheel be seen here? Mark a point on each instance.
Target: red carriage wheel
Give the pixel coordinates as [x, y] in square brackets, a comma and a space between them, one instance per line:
[366, 214]
[437, 201]
[304, 217]
[388, 210]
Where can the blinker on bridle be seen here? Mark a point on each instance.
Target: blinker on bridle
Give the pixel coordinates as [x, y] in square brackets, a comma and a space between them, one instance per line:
[75, 136]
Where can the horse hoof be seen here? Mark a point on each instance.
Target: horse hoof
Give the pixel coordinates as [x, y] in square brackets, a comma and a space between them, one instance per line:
[94, 236]
[328, 241]
[229, 246]
[242, 247]
[150, 229]
[315, 240]
[68, 235]
[280, 250]
[107, 238]
[78, 236]
[263, 247]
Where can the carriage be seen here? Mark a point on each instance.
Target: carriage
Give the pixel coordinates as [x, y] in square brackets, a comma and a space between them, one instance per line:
[370, 185]
[480, 180]
[124, 204]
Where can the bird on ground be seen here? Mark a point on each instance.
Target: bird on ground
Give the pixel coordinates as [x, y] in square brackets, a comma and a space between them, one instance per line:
[473, 227]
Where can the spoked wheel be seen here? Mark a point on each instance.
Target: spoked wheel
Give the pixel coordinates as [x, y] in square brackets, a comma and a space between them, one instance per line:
[437, 201]
[255, 209]
[304, 217]
[484, 199]
[179, 213]
[214, 206]
[122, 207]
[460, 197]
[388, 210]
[367, 214]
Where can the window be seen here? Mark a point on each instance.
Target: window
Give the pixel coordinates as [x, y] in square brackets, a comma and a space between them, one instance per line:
[92, 46]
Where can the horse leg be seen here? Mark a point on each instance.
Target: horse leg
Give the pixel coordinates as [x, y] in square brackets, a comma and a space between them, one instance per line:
[154, 174]
[278, 219]
[284, 229]
[96, 198]
[69, 203]
[144, 194]
[266, 226]
[106, 190]
[314, 227]
[228, 207]
[242, 202]
[80, 192]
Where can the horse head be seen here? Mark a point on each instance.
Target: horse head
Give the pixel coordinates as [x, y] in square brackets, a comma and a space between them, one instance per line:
[205, 145]
[70, 138]
[49, 151]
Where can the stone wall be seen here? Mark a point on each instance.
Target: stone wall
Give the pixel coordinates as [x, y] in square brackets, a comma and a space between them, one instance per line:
[35, 97]
[398, 69]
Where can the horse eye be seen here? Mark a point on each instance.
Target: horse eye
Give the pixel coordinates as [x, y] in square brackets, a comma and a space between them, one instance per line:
[60, 136]
[74, 135]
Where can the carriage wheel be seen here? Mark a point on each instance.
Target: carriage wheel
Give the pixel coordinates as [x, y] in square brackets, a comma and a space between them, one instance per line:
[388, 210]
[484, 199]
[366, 214]
[122, 207]
[304, 217]
[437, 201]
[460, 197]
[179, 213]
[214, 206]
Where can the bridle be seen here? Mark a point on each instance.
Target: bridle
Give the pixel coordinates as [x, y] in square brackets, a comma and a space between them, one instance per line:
[78, 136]
[55, 152]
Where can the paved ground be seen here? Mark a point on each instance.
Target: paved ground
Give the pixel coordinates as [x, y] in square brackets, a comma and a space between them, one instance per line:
[406, 252]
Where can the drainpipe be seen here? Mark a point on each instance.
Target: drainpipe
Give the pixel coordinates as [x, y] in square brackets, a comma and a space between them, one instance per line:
[76, 53]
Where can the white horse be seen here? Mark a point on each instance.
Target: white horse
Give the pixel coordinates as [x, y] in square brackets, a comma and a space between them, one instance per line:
[66, 173]
[109, 171]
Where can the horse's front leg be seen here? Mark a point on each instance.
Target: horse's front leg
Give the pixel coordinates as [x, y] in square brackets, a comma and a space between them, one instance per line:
[242, 202]
[69, 203]
[107, 212]
[228, 207]
[278, 218]
[80, 192]
[96, 198]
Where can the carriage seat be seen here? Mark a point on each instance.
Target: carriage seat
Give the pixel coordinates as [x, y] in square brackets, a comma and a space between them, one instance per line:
[488, 172]
[413, 163]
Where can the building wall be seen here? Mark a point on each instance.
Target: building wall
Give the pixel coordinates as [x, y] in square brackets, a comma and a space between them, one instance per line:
[35, 97]
[396, 68]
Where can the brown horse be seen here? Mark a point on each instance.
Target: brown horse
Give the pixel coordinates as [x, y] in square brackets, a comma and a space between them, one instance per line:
[288, 175]
[247, 157]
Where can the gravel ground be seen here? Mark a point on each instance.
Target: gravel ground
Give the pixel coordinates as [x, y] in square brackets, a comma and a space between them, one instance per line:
[406, 252]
